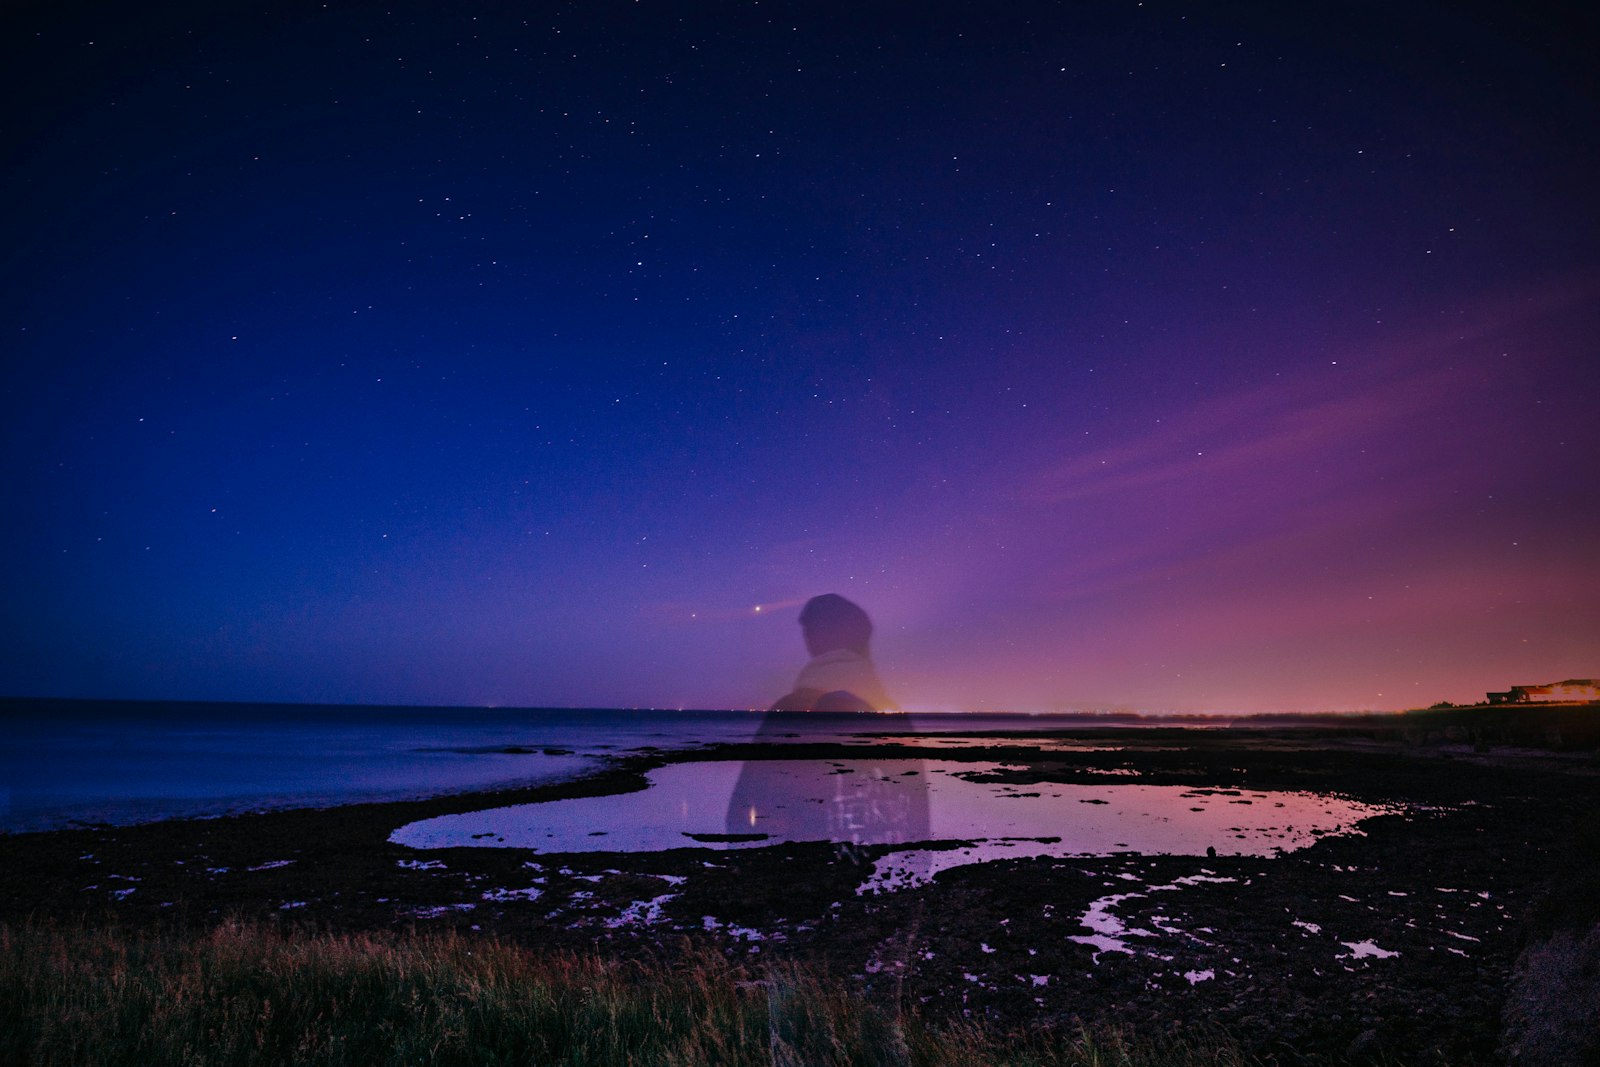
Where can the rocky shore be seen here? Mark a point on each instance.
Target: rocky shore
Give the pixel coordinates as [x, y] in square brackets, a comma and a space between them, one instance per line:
[1453, 930]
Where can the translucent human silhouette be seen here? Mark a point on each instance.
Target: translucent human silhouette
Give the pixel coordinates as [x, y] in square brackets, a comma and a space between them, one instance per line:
[874, 802]
[840, 675]
[870, 804]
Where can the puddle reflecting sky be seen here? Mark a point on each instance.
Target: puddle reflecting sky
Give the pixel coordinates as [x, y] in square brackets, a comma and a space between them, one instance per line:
[724, 805]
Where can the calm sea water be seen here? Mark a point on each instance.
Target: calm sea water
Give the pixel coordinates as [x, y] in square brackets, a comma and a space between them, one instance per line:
[902, 803]
[72, 763]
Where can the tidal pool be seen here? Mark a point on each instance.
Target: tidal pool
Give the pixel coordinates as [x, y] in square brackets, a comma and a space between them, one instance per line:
[728, 805]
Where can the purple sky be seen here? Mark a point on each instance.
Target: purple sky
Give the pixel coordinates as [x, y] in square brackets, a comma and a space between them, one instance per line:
[1141, 355]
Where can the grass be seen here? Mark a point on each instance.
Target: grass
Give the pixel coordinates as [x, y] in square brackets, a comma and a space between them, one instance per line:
[248, 995]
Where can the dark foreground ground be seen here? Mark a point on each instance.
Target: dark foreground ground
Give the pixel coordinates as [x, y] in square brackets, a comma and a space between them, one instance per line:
[1464, 930]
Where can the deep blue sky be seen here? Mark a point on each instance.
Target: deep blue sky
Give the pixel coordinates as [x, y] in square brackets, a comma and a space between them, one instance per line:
[1171, 356]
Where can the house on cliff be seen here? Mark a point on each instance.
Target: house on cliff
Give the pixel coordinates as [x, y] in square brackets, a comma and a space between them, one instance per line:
[1571, 691]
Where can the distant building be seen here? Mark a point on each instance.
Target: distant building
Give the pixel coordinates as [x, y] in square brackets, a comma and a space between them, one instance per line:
[1571, 691]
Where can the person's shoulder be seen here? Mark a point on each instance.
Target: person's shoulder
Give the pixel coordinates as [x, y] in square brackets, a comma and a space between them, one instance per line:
[799, 700]
[842, 700]
[817, 700]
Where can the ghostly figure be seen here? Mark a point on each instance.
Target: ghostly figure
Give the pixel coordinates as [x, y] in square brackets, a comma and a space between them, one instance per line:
[867, 803]
[876, 802]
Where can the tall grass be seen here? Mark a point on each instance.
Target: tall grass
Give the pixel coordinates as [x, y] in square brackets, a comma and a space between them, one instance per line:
[250, 995]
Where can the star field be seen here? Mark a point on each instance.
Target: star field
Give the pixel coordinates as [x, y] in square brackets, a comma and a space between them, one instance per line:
[1129, 355]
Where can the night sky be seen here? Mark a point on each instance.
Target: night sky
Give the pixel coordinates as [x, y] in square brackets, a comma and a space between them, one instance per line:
[1166, 356]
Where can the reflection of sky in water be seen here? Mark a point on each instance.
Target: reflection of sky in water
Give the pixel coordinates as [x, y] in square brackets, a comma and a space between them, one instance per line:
[693, 799]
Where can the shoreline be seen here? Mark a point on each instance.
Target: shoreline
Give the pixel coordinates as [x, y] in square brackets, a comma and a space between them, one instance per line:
[1403, 938]
[60, 782]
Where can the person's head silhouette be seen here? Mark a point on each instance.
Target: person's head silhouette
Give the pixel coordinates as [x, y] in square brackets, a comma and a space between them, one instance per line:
[830, 622]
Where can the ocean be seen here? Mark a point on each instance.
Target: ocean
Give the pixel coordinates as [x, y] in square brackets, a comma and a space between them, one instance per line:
[77, 763]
